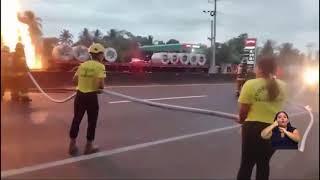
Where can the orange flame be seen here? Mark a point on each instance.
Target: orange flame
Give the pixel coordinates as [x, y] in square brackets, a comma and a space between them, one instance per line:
[12, 29]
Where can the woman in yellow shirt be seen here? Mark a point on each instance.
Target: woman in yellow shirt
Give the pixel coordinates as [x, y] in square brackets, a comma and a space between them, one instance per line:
[90, 81]
[259, 101]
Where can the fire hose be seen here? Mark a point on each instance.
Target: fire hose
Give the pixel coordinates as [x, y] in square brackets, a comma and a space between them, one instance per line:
[45, 94]
[141, 101]
[182, 108]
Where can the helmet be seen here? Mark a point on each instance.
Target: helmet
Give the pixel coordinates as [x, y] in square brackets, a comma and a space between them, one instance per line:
[96, 48]
[5, 49]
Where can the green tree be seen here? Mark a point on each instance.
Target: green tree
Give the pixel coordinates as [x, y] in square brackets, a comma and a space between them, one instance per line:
[85, 38]
[97, 36]
[112, 34]
[150, 40]
[66, 37]
[267, 49]
[117, 40]
[144, 40]
[288, 55]
[236, 46]
[223, 54]
[172, 41]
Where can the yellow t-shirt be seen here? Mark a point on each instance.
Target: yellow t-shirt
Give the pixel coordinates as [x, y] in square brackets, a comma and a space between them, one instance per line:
[88, 74]
[254, 92]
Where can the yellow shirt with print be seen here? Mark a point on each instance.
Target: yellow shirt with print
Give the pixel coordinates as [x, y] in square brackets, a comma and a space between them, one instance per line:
[88, 74]
[255, 93]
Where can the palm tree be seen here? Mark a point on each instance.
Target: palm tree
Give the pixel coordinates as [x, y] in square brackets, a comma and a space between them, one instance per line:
[288, 54]
[268, 48]
[66, 37]
[34, 23]
[85, 38]
[150, 40]
[115, 34]
[97, 36]
[130, 35]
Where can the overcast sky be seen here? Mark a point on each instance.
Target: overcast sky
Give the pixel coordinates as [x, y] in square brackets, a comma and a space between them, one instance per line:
[295, 21]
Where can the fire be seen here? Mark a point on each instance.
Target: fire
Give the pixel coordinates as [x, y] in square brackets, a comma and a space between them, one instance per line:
[13, 31]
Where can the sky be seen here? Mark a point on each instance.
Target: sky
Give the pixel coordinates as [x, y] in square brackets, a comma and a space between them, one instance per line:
[295, 21]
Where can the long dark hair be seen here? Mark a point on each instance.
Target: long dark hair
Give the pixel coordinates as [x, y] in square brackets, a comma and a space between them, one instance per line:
[276, 117]
[268, 67]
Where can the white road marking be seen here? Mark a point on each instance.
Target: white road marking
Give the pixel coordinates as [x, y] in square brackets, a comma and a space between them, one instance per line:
[28, 169]
[159, 99]
[168, 85]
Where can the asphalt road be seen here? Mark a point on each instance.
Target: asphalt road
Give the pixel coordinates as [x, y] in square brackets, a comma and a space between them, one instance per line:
[144, 142]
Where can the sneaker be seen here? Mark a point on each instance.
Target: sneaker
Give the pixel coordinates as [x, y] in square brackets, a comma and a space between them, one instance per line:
[90, 149]
[73, 149]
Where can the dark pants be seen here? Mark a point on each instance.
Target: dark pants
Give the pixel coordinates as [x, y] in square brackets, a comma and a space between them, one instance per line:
[255, 151]
[4, 84]
[18, 87]
[85, 102]
[240, 83]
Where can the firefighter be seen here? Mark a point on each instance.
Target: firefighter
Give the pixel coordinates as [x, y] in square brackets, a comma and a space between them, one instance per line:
[241, 76]
[19, 89]
[90, 81]
[5, 69]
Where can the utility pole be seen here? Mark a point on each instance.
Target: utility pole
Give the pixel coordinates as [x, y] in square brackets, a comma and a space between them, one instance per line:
[212, 68]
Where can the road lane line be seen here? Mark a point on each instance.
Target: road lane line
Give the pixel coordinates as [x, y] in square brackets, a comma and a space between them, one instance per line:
[168, 85]
[42, 166]
[159, 99]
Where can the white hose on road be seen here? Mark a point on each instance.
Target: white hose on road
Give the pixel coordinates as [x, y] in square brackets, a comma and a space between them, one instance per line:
[304, 138]
[45, 94]
[308, 110]
[173, 107]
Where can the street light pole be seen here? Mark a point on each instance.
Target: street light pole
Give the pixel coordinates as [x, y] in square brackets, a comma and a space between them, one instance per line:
[214, 29]
[212, 68]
